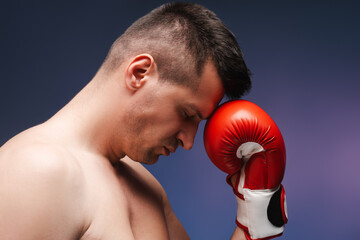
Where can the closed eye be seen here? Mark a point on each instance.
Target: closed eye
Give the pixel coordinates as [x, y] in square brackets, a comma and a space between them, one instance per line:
[187, 115]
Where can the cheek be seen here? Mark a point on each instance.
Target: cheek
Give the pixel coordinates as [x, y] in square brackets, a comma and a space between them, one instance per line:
[166, 128]
[151, 125]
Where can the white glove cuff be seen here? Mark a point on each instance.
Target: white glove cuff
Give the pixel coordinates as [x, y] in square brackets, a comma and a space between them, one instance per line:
[252, 213]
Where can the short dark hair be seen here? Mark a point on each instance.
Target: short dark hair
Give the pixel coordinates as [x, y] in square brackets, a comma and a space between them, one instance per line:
[182, 37]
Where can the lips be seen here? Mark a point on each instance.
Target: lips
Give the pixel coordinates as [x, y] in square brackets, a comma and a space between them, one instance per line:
[168, 150]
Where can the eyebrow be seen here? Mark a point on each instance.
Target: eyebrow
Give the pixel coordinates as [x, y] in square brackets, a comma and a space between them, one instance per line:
[196, 110]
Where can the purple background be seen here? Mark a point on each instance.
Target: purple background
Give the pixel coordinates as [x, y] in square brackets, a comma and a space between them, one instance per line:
[305, 61]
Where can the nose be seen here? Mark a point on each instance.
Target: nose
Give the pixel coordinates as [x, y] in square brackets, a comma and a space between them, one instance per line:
[186, 135]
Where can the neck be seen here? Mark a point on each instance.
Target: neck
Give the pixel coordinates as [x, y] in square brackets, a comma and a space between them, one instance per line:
[89, 119]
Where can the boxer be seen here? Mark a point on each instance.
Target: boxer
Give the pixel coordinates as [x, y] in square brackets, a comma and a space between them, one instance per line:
[79, 175]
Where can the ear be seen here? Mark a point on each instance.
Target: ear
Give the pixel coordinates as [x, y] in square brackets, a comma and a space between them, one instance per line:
[139, 70]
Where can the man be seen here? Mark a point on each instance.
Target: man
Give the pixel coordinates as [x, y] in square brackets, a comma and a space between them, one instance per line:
[79, 174]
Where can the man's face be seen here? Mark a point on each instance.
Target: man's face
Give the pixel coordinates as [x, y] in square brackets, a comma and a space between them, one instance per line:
[167, 115]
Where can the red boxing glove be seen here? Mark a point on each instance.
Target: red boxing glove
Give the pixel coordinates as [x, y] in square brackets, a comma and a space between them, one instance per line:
[241, 139]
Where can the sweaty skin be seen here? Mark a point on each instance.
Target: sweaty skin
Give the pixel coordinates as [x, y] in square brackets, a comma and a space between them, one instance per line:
[71, 178]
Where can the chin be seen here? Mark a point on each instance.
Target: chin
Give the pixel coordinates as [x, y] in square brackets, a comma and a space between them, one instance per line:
[150, 161]
[147, 159]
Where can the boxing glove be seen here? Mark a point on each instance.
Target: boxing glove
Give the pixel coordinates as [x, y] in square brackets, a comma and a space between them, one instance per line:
[243, 141]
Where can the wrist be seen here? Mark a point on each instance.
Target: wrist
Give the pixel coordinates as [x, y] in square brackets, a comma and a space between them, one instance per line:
[239, 234]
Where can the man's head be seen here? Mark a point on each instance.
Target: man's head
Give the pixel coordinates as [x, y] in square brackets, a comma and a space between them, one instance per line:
[177, 62]
[182, 37]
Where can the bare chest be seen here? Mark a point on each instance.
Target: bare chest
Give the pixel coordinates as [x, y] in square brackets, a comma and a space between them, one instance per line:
[126, 207]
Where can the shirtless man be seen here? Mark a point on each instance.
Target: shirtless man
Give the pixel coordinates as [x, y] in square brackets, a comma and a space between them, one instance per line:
[79, 174]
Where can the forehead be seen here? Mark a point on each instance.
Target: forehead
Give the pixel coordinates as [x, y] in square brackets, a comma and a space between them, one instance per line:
[209, 92]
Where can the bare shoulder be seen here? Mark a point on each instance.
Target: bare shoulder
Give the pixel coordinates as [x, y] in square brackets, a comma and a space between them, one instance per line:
[37, 159]
[40, 182]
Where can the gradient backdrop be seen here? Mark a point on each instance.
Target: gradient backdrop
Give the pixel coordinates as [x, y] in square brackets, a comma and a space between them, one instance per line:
[304, 56]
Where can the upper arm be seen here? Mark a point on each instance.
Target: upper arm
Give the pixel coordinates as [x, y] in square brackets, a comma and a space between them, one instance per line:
[175, 228]
[35, 195]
